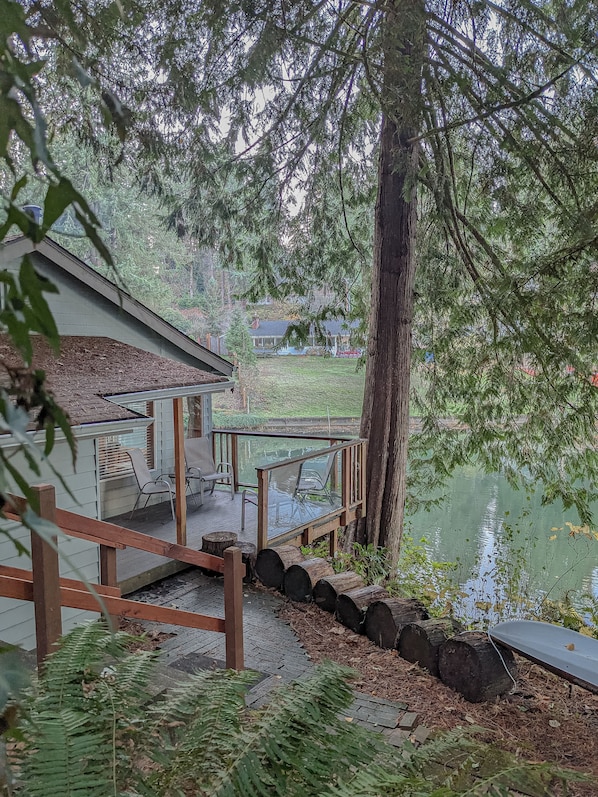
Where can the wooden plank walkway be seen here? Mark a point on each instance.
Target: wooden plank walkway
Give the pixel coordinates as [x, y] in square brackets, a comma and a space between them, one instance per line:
[136, 569]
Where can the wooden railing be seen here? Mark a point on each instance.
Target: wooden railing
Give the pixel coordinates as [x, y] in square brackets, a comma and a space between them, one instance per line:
[352, 506]
[49, 592]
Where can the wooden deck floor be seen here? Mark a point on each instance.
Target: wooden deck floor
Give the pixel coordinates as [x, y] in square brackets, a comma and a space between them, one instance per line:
[136, 569]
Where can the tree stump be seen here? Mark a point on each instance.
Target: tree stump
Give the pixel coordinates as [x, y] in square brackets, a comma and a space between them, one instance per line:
[470, 665]
[351, 606]
[327, 590]
[300, 579]
[385, 618]
[421, 641]
[217, 542]
[248, 555]
[272, 563]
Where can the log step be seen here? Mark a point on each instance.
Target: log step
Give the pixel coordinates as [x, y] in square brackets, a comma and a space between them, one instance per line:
[272, 563]
[385, 618]
[470, 664]
[420, 641]
[328, 589]
[300, 579]
[351, 605]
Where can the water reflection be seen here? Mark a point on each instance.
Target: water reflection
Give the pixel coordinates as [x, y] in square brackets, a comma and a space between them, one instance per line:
[506, 544]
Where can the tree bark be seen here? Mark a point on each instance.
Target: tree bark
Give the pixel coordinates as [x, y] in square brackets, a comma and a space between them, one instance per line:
[328, 589]
[385, 618]
[351, 606]
[385, 418]
[217, 542]
[272, 563]
[470, 664]
[420, 641]
[300, 579]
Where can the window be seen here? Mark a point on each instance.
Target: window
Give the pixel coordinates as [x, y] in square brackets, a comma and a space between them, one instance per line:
[113, 448]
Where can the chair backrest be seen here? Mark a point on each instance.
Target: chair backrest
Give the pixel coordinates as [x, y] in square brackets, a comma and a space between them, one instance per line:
[198, 454]
[140, 468]
[329, 465]
[285, 478]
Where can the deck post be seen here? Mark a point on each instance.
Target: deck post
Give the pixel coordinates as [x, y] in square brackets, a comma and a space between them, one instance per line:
[333, 543]
[345, 485]
[233, 608]
[234, 456]
[363, 464]
[108, 575]
[180, 483]
[262, 509]
[46, 577]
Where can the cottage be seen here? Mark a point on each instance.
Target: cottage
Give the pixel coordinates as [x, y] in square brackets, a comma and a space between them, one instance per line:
[268, 336]
[121, 374]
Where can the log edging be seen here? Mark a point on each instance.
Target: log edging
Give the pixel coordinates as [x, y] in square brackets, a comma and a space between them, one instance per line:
[486, 673]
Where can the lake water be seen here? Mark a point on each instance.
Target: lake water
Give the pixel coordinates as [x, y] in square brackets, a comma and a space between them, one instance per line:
[506, 545]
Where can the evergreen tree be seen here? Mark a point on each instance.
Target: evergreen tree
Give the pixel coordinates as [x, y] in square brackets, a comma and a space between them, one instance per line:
[238, 339]
[482, 119]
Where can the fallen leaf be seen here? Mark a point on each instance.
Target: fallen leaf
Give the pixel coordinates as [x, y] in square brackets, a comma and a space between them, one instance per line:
[570, 646]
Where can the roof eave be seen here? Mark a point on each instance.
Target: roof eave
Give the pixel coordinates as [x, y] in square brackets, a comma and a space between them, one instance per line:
[18, 247]
[171, 392]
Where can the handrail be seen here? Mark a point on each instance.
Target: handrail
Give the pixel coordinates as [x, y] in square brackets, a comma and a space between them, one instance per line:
[352, 503]
[311, 455]
[284, 435]
[49, 592]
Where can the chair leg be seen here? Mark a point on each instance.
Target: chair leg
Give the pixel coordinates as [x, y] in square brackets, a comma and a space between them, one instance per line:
[135, 505]
[243, 513]
[172, 505]
[232, 489]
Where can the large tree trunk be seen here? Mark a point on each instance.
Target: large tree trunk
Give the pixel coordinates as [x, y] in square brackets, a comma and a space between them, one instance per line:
[385, 419]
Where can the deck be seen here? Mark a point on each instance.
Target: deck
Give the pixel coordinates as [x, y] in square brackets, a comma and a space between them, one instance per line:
[136, 569]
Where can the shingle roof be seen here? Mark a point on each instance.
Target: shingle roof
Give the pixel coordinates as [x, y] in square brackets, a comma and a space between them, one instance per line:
[89, 368]
[276, 329]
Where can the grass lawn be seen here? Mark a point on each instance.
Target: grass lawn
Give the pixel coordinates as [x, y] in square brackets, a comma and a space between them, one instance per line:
[305, 387]
[311, 387]
[299, 387]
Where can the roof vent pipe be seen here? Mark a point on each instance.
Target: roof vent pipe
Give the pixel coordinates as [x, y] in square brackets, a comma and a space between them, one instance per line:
[34, 211]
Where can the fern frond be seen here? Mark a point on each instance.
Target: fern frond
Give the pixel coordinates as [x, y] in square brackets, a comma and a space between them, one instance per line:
[203, 714]
[80, 654]
[298, 744]
[453, 765]
[131, 675]
[67, 757]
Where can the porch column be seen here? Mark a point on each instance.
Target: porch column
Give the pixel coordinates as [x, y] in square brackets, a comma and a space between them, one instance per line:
[179, 472]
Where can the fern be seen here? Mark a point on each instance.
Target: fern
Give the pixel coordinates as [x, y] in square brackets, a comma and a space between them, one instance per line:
[88, 730]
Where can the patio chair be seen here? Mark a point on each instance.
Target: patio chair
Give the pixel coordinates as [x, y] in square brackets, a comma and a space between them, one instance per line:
[148, 484]
[201, 466]
[315, 482]
[282, 493]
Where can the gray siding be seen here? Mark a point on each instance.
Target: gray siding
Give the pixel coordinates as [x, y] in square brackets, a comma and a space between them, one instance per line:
[80, 558]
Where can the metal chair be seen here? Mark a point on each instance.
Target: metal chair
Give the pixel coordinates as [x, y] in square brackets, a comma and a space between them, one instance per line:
[149, 485]
[201, 466]
[282, 493]
[315, 482]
